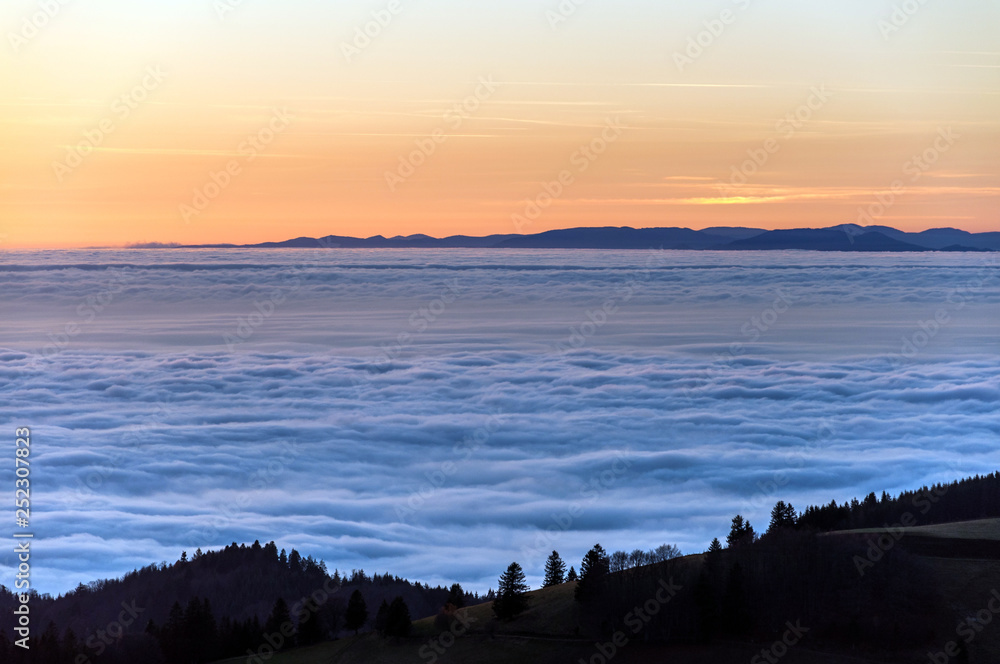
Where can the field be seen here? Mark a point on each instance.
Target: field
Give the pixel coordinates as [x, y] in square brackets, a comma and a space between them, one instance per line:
[983, 529]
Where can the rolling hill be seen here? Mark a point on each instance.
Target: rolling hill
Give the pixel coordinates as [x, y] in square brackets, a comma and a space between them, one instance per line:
[843, 238]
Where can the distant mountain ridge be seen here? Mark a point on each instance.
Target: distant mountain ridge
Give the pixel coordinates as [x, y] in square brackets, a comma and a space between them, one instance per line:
[847, 237]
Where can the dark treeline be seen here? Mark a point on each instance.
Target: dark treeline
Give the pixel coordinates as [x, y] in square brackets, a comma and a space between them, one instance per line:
[793, 581]
[761, 590]
[212, 605]
[965, 500]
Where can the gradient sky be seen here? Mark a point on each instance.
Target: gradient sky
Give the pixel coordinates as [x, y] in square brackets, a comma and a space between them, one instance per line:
[557, 85]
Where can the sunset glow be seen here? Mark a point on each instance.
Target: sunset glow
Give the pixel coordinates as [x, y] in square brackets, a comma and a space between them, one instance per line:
[202, 122]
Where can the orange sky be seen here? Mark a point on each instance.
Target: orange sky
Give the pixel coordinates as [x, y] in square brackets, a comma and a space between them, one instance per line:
[117, 119]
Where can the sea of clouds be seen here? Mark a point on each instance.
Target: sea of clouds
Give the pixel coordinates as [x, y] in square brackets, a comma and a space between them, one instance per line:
[438, 414]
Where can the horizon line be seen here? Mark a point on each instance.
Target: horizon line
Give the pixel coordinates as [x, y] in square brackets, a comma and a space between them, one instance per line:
[157, 244]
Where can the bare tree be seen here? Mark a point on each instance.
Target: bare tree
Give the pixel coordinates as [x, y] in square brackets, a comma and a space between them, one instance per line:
[665, 552]
[619, 561]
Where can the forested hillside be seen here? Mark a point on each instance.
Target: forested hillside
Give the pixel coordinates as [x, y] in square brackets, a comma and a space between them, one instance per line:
[210, 605]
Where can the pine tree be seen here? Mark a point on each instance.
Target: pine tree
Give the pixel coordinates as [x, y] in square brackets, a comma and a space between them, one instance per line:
[200, 631]
[173, 638]
[70, 646]
[571, 574]
[595, 567]
[782, 517]
[397, 621]
[357, 612]
[280, 622]
[295, 561]
[48, 646]
[555, 570]
[310, 628]
[456, 596]
[382, 618]
[741, 533]
[713, 556]
[511, 599]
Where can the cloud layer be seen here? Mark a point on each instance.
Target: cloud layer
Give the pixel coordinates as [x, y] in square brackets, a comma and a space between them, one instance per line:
[439, 414]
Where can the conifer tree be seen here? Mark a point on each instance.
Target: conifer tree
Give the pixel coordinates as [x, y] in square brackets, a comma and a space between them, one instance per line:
[595, 567]
[278, 622]
[456, 596]
[555, 570]
[511, 598]
[397, 622]
[357, 612]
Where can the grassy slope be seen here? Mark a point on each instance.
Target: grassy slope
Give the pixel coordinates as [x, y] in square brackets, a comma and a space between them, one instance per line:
[968, 585]
[545, 633]
[551, 612]
[984, 529]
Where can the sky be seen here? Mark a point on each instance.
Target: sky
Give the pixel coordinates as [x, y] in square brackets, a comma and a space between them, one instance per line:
[246, 121]
[438, 414]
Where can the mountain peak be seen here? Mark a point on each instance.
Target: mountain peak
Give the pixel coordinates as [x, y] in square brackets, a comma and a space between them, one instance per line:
[843, 237]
